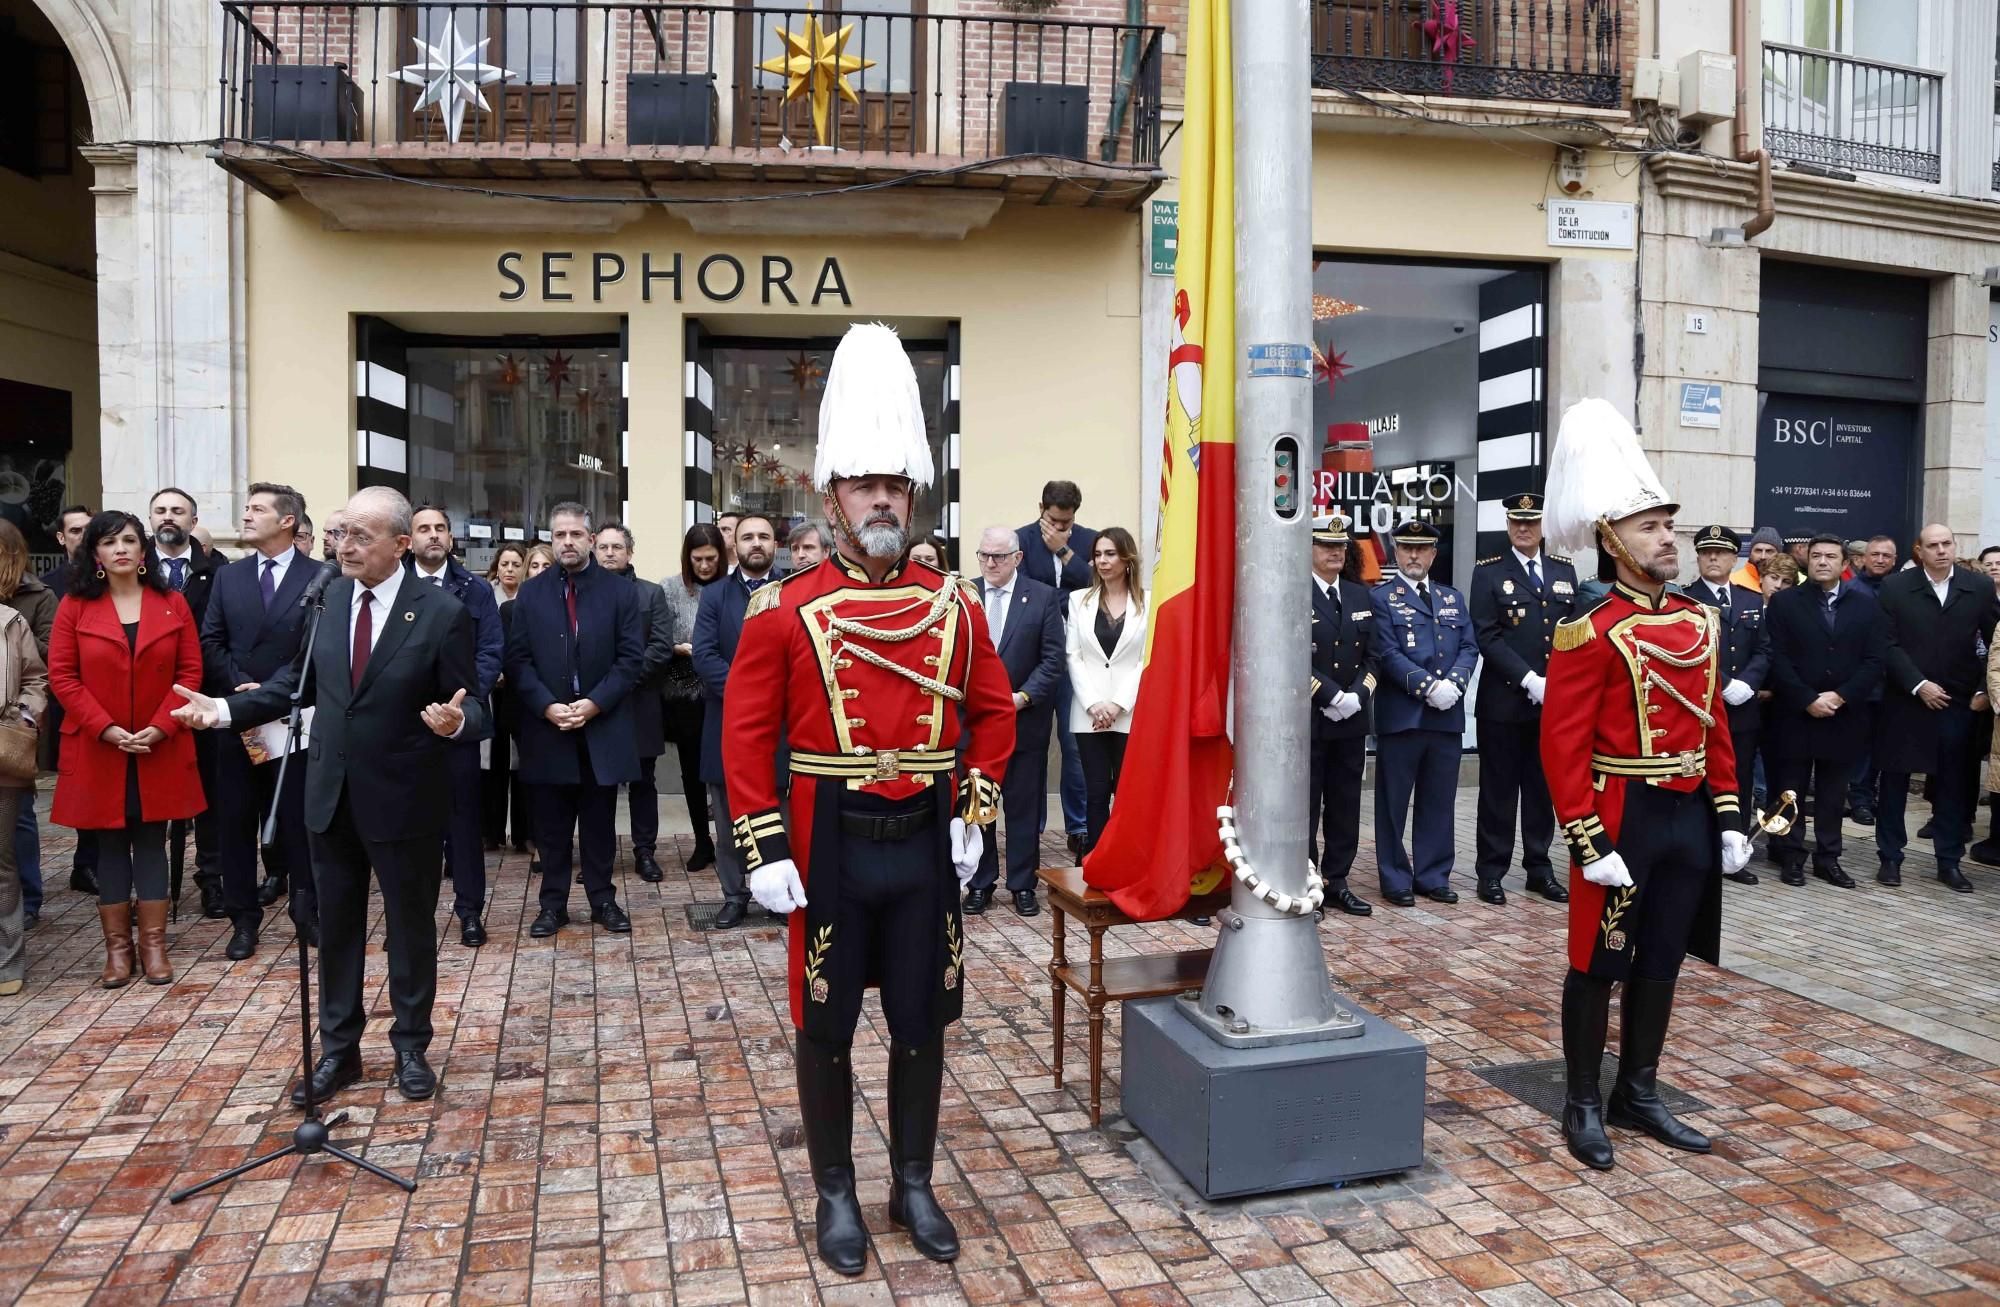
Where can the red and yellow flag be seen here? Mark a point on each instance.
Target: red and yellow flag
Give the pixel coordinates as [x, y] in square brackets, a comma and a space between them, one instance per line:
[1162, 833]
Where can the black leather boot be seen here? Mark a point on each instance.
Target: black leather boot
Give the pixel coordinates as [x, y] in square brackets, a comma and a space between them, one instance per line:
[916, 1081]
[1635, 1100]
[1586, 1016]
[826, 1106]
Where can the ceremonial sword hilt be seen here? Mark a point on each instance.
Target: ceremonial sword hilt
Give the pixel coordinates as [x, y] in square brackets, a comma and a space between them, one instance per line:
[1778, 822]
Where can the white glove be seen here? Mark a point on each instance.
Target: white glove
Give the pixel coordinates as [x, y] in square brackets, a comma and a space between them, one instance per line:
[775, 886]
[967, 843]
[1444, 695]
[1536, 686]
[1608, 871]
[1343, 706]
[1735, 852]
[1736, 693]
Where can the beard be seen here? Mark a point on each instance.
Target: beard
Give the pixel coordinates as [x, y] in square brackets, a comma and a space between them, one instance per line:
[880, 539]
[1662, 568]
[170, 535]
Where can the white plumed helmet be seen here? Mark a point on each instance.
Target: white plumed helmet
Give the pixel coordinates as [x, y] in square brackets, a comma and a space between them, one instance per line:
[871, 418]
[1598, 474]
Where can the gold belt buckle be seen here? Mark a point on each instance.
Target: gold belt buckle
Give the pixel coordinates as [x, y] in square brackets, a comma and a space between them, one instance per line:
[1690, 766]
[888, 765]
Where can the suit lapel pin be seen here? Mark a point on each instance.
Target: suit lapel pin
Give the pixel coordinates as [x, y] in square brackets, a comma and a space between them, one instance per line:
[409, 617]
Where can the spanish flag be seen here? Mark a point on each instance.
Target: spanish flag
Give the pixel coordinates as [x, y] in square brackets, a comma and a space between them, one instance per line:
[1162, 834]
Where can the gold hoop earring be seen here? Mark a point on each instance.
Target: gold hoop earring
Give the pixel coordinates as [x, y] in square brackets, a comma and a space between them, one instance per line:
[100, 574]
[142, 569]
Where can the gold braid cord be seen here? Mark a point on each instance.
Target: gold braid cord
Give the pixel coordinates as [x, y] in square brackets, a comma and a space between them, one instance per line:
[853, 630]
[1645, 649]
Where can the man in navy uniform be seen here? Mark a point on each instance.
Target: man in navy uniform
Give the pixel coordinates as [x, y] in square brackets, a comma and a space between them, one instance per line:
[1424, 656]
[1746, 655]
[1343, 680]
[1517, 599]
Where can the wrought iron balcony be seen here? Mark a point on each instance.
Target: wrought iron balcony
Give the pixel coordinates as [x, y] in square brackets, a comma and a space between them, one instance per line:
[1559, 51]
[1050, 109]
[1836, 111]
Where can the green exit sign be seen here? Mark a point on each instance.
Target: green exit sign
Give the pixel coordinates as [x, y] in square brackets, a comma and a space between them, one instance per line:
[1164, 232]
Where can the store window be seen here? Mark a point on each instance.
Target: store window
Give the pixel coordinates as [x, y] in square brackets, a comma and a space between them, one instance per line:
[1428, 401]
[501, 431]
[767, 397]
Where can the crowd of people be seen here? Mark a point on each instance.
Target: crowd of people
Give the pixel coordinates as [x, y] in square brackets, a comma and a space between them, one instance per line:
[587, 671]
[1846, 668]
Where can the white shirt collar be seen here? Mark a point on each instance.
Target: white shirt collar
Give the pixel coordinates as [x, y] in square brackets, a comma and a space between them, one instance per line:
[427, 575]
[1832, 594]
[1527, 559]
[186, 551]
[279, 563]
[385, 592]
[1324, 586]
[1006, 590]
[1423, 580]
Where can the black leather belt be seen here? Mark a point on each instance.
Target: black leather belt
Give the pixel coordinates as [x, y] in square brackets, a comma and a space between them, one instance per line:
[887, 830]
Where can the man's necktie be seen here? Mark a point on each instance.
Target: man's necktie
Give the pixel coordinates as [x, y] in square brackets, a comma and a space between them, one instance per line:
[1826, 610]
[996, 608]
[438, 580]
[267, 584]
[569, 601]
[364, 635]
[1534, 576]
[1424, 593]
[755, 583]
[177, 573]
[1721, 598]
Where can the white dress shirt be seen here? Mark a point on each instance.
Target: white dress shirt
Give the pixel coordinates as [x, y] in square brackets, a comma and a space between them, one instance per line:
[283, 564]
[385, 593]
[435, 578]
[1940, 588]
[1006, 592]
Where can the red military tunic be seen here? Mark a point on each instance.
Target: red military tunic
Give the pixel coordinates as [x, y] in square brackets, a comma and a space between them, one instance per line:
[810, 670]
[1634, 698]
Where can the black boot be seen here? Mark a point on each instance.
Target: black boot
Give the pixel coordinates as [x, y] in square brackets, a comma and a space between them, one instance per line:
[916, 1080]
[1586, 1015]
[1635, 1100]
[826, 1105]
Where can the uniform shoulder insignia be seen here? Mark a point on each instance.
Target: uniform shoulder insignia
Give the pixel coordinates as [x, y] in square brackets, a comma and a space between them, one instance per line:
[1577, 631]
[967, 590]
[1484, 561]
[1558, 558]
[764, 600]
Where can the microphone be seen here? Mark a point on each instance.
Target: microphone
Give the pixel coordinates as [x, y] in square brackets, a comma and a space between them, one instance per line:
[315, 595]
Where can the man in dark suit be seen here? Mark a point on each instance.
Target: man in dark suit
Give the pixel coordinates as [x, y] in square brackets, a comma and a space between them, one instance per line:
[718, 626]
[75, 521]
[1024, 619]
[252, 631]
[1939, 618]
[1746, 656]
[574, 653]
[1517, 599]
[1343, 683]
[1424, 656]
[431, 564]
[1055, 550]
[190, 568]
[392, 680]
[649, 727]
[1827, 642]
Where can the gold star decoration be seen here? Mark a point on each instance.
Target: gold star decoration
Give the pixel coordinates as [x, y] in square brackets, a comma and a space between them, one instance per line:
[817, 67]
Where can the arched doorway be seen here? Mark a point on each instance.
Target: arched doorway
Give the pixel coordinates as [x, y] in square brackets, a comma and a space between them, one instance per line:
[49, 361]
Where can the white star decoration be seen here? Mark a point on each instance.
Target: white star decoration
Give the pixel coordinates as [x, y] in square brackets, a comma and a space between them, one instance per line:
[451, 74]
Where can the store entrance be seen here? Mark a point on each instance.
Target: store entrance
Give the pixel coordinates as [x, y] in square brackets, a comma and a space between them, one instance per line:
[767, 394]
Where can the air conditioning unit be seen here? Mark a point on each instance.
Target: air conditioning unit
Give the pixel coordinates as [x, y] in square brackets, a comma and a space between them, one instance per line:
[1708, 87]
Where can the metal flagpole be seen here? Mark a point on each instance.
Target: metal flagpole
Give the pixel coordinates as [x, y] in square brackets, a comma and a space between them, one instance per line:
[1268, 982]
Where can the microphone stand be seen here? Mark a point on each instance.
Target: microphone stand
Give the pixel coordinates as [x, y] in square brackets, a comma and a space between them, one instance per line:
[310, 1135]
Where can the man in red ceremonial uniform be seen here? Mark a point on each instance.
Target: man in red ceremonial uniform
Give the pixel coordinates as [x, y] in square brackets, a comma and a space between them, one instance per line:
[1635, 741]
[867, 664]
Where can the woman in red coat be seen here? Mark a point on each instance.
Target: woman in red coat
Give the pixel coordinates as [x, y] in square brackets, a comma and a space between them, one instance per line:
[122, 639]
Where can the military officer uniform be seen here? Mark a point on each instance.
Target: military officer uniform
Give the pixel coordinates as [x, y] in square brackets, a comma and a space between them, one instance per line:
[1746, 658]
[1423, 642]
[1343, 682]
[1516, 603]
[900, 722]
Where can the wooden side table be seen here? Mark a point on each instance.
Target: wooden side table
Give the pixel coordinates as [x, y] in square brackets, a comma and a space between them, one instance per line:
[1100, 982]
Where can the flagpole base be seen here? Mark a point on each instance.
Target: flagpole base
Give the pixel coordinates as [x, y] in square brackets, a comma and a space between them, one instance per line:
[1231, 1031]
[1268, 982]
[1238, 1121]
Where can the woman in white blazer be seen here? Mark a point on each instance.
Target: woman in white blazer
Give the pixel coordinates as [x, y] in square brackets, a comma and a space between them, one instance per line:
[1106, 640]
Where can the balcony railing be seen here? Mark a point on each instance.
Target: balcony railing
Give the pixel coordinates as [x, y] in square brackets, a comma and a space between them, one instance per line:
[593, 84]
[1560, 51]
[1840, 112]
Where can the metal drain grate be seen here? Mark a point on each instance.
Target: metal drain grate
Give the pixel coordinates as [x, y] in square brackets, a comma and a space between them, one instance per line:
[701, 916]
[1544, 1085]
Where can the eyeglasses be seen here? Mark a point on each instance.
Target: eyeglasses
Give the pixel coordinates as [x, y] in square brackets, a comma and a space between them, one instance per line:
[985, 557]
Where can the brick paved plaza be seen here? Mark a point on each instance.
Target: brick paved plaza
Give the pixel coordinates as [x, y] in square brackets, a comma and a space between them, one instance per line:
[617, 1122]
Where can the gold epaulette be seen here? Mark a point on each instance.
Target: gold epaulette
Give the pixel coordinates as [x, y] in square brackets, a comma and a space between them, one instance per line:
[1558, 558]
[765, 599]
[967, 588]
[1575, 632]
[1484, 561]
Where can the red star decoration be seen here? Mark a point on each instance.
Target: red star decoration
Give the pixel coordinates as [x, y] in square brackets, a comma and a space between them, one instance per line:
[510, 372]
[804, 369]
[1448, 40]
[557, 365]
[1329, 368]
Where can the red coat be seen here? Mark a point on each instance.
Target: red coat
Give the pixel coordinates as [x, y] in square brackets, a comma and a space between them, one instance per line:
[1634, 698]
[102, 681]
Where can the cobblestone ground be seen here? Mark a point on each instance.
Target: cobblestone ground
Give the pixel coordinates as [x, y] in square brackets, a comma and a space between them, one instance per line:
[617, 1121]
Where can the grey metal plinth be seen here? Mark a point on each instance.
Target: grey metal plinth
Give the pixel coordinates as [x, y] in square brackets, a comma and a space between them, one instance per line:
[1237, 1121]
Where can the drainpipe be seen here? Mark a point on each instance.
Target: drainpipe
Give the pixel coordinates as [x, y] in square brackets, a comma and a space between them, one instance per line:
[1128, 72]
[1767, 204]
